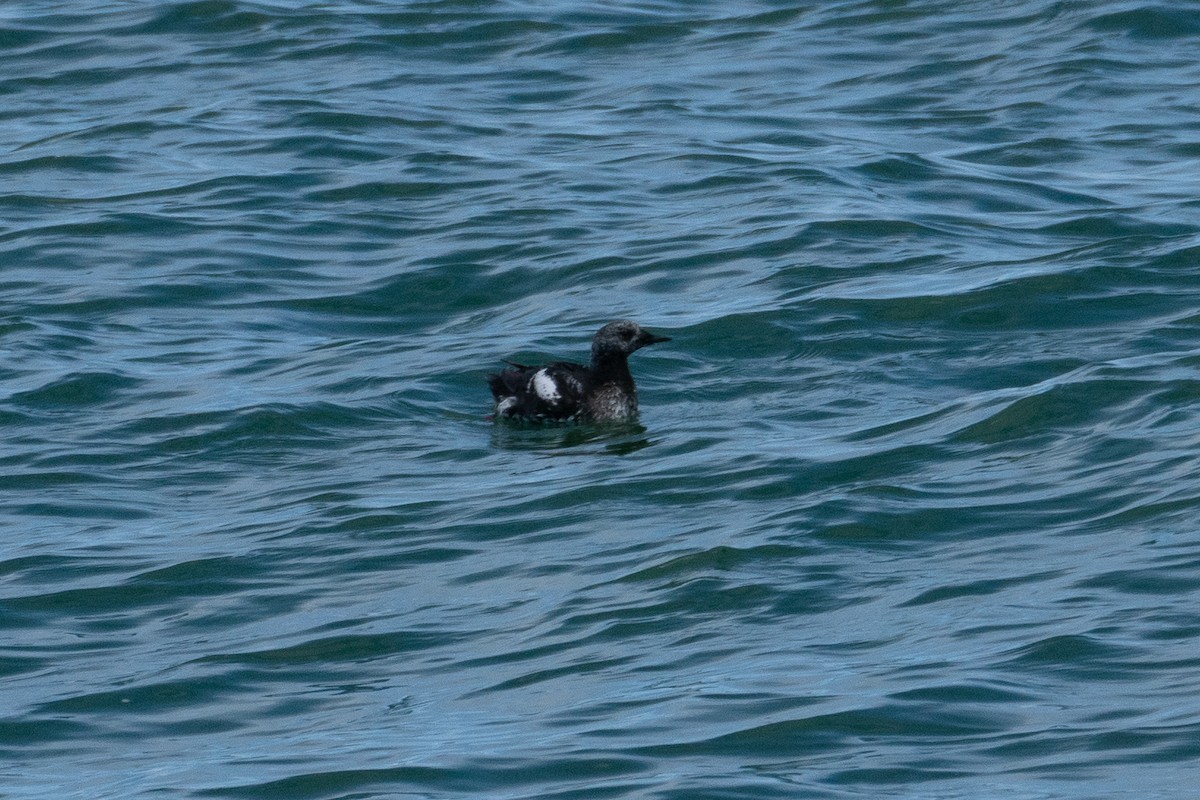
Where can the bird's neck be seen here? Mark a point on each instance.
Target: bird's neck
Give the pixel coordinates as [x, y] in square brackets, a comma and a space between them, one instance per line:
[612, 368]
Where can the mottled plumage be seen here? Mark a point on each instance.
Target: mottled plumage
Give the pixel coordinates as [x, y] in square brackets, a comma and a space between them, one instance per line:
[562, 390]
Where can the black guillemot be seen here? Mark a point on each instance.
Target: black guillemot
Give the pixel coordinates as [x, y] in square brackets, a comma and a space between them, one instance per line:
[563, 390]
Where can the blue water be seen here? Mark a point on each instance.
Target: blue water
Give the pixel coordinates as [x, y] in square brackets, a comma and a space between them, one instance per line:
[913, 505]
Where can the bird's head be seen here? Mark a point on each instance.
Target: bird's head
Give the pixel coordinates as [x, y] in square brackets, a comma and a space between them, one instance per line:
[622, 338]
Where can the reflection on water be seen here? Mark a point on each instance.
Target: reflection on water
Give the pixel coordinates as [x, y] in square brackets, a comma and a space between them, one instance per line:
[619, 439]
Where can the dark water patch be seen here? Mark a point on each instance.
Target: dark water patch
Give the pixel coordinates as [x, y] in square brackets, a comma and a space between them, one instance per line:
[116, 131]
[360, 648]
[1055, 408]
[156, 699]
[1173, 260]
[581, 769]
[11, 666]
[619, 440]
[822, 733]
[43, 480]
[710, 185]
[897, 776]
[1173, 580]
[767, 335]
[202, 17]
[964, 693]
[718, 559]
[975, 589]
[1041, 151]
[617, 39]
[1112, 226]
[1167, 743]
[1034, 301]
[768, 482]
[577, 666]
[79, 390]
[14, 38]
[43, 571]
[415, 294]
[1079, 655]
[50, 735]
[98, 508]
[171, 587]
[93, 78]
[1143, 511]
[252, 433]
[71, 164]
[906, 168]
[844, 522]
[135, 225]
[1149, 21]
[838, 232]
[497, 37]
[384, 191]
[330, 784]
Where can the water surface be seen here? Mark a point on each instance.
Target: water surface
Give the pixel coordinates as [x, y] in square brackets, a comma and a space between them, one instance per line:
[911, 509]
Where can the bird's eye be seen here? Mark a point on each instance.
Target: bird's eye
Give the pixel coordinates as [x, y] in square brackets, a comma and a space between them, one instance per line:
[627, 335]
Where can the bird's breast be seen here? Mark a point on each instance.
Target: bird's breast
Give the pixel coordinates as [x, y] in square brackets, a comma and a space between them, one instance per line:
[611, 402]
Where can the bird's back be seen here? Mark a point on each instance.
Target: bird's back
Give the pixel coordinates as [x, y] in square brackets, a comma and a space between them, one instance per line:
[556, 391]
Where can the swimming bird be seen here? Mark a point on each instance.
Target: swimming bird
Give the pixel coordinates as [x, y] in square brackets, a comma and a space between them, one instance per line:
[564, 390]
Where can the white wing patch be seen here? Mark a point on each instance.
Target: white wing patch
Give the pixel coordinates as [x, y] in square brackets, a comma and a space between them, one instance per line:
[546, 387]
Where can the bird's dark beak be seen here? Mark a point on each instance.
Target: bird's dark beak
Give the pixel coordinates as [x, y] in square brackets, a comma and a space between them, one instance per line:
[649, 338]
